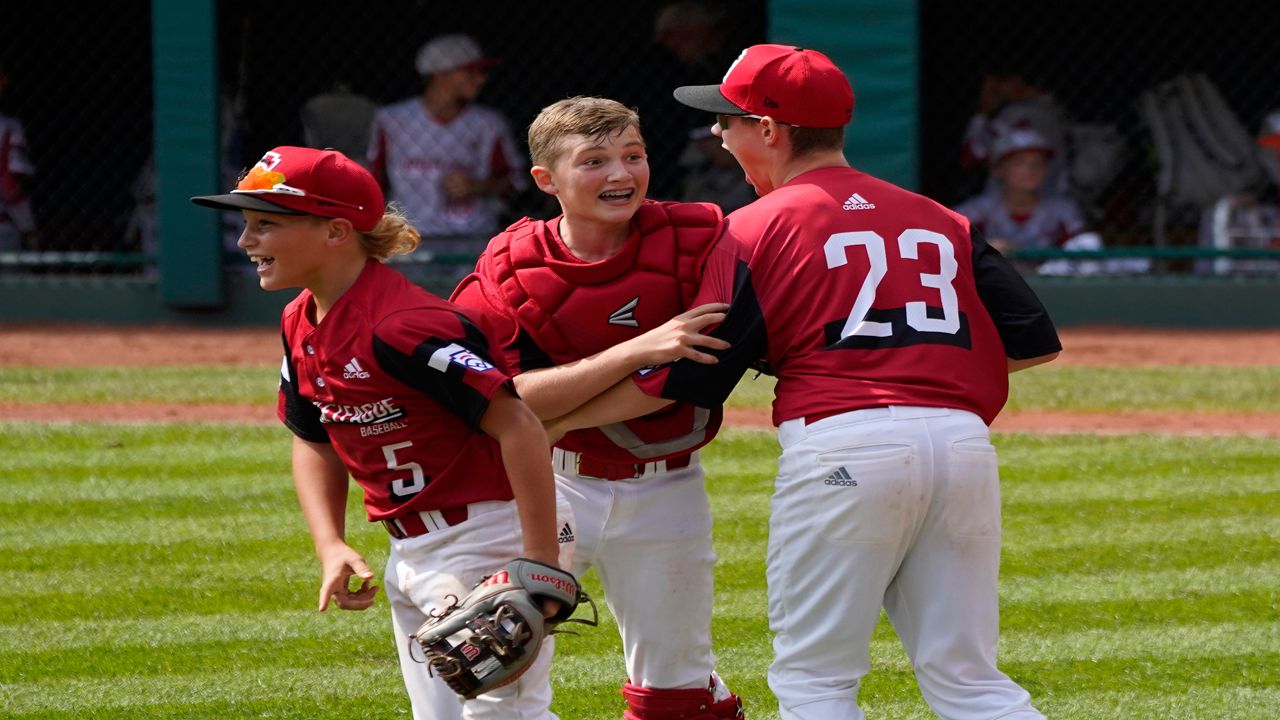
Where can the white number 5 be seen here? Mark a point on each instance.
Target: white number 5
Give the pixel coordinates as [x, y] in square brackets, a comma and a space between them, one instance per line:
[403, 488]
[917, 316]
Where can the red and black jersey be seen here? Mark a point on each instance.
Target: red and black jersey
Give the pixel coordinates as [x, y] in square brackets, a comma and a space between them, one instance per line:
[548, 307]
[860, 294]
[397, 380]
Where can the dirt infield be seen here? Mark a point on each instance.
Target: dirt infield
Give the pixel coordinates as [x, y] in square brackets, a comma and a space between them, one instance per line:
[98, 346]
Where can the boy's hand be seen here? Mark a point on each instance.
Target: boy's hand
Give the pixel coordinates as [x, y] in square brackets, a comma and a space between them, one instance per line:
[681, 336]
[339, 565]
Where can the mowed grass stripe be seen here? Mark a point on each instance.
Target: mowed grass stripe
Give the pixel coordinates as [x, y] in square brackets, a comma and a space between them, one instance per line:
[1093, 389]
[350, 680]
[165, 384]
[263, 625]
[1210, 703]
[1081, 617]
[1052, 387]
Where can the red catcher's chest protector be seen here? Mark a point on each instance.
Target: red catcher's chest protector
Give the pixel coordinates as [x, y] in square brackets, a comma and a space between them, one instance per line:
[573, 309]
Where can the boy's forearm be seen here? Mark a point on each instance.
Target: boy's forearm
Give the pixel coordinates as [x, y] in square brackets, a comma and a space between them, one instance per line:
[623, 401]
[527, 458]
[320, 479]
[554, 392]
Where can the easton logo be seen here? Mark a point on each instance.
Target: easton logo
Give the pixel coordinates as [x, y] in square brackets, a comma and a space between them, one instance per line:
[566, 534]
[625, 315]
[353, 370]
[840, 477]
[857, 202]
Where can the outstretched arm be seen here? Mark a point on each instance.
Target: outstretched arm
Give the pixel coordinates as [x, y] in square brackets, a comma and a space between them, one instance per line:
[557, 391]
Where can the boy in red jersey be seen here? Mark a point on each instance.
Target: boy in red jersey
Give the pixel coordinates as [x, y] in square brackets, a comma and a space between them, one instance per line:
[891, 326]
[580, 302]
[394, 386]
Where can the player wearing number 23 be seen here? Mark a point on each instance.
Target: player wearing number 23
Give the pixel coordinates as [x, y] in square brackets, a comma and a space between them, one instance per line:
[891, 327]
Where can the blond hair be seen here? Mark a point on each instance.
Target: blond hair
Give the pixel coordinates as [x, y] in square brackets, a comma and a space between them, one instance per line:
[393, 235]
[593, 117]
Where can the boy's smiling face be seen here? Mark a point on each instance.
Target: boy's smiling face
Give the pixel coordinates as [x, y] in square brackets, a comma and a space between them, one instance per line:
[598, 179]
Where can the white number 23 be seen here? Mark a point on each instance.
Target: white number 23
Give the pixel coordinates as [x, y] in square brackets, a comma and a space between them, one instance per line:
[917, 317]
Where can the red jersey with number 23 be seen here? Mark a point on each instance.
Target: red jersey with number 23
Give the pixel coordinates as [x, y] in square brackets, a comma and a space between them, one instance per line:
[859, 294]
[397, 380]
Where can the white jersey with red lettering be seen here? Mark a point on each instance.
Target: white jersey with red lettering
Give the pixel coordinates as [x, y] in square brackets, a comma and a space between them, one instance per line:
[411, 152]
[1054, 222]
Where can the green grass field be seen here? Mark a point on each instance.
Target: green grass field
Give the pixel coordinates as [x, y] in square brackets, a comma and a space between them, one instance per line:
[1050, 388]
[164, 571]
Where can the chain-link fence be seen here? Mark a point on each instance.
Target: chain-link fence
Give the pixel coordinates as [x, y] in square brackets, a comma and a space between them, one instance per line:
[317, 73]
[75, 131]
[1153, 110]
[1156, 108]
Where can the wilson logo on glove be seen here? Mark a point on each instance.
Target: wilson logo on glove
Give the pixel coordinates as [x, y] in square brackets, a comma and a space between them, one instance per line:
[490, 637]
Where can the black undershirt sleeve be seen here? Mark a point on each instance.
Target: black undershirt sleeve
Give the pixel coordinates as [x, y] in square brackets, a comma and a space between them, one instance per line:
[1021, 319]
[300, 416]
[743, 327]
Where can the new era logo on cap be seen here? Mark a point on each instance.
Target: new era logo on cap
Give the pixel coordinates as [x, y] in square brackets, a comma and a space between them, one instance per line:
[793, 85]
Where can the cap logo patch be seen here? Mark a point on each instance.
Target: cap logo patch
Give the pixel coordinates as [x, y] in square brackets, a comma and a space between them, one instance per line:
[263, 177]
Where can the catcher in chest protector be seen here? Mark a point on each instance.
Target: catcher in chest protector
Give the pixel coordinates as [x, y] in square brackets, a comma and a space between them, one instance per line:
[578, 303]
[390, 385]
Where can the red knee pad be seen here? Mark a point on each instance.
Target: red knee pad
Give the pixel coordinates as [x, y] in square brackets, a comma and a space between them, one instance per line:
[678, 704]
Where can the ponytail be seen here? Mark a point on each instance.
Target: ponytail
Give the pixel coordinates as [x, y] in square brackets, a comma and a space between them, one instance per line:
[393, 235]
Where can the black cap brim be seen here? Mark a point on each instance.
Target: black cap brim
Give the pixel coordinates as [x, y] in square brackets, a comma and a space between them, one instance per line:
[708, 98]
[243, 201]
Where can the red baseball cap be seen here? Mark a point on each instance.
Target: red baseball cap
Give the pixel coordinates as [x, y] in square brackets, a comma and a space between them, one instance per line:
[305, 181]
[792, 85]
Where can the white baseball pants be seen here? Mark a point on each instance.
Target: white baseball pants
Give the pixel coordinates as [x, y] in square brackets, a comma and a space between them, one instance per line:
[423, 570]
[896, 507]
[649, 540]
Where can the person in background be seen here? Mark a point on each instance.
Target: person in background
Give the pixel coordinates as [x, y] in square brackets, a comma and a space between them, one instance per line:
[17, 221]
[447, 162]
[1010, 101]
[1018, 213]
[711, 173]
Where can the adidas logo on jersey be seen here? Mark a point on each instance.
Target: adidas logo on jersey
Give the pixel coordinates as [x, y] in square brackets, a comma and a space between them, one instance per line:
[840, 477]
[857, 202]
[625, 315]
[353, 370]
[566, 534]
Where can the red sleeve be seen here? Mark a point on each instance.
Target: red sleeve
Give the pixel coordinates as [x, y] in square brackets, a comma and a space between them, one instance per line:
[443, 354]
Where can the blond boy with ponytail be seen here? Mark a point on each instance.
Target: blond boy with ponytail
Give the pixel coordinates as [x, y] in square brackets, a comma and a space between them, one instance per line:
[389, 384]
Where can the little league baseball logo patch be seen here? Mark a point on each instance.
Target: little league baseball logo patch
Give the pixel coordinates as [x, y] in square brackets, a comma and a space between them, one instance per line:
[455, 353]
